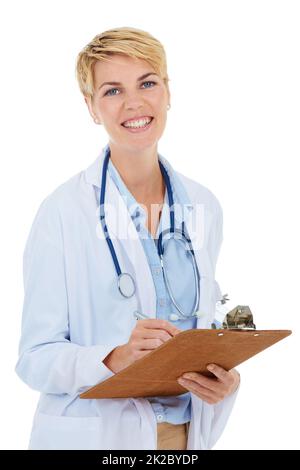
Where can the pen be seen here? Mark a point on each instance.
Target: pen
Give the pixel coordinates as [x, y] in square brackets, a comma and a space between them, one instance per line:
[140, 316]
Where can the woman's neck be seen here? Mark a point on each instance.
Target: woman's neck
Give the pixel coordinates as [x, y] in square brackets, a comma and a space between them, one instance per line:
[140, 172]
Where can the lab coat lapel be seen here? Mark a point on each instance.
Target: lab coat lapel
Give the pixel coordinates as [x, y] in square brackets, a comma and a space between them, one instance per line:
[129, 249]
[196, 230]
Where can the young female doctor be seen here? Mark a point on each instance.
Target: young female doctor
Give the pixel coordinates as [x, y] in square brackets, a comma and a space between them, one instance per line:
[120, 258]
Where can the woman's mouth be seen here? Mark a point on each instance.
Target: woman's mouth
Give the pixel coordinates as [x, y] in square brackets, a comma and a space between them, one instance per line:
[138, 126]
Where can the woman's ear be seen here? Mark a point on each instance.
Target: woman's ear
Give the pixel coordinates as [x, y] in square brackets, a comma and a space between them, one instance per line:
[88, 101]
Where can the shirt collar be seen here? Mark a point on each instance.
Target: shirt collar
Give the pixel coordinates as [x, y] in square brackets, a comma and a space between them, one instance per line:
[132, 205]
[182, 201]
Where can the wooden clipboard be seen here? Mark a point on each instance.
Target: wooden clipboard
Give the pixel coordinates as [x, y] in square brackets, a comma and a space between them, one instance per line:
[190, 350]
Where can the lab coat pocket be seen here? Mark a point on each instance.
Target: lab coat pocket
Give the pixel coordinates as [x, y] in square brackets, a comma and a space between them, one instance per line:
[51, 432]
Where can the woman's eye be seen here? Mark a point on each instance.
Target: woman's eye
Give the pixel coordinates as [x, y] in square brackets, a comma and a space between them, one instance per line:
[109, 92]
[149, 82]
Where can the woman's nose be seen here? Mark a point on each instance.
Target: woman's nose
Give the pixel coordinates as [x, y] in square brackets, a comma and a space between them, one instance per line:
[133, 101]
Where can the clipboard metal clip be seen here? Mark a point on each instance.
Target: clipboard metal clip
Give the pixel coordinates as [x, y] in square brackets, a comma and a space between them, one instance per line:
[239, 318]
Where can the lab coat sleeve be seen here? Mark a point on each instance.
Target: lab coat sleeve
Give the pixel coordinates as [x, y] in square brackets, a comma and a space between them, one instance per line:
[48, 360]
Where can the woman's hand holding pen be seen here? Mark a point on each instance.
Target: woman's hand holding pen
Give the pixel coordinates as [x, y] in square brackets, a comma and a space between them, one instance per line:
[147, 335]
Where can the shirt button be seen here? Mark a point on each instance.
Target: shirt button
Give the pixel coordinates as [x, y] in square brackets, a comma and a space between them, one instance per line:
[162, 302]
[156, 271]
[173, 317]
[160, 418]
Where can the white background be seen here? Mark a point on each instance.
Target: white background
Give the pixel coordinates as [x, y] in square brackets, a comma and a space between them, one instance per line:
[233, 126]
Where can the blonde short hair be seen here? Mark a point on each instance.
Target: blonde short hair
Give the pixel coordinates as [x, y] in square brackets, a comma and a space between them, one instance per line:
[128, 41]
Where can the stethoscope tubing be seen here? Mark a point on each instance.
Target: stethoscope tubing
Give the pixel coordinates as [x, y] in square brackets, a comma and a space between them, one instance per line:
[160, 247]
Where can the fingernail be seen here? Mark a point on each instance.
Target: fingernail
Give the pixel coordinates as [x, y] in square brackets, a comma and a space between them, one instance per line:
[210, 367]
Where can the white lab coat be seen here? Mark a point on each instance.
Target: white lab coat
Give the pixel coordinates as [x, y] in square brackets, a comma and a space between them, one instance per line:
[73, 316]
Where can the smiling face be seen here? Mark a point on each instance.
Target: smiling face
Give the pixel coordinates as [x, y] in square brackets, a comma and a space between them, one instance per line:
[136, 94]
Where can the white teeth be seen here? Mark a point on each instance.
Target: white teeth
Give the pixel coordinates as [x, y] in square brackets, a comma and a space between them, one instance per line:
[139, 123]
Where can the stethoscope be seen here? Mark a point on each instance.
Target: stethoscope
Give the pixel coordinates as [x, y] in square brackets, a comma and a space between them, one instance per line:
[126, 283]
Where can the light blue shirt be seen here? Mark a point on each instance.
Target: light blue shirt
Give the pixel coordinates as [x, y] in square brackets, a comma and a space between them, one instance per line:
[173, 409]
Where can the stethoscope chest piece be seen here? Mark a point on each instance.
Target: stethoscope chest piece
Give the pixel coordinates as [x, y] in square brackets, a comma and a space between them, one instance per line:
[126, 285]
